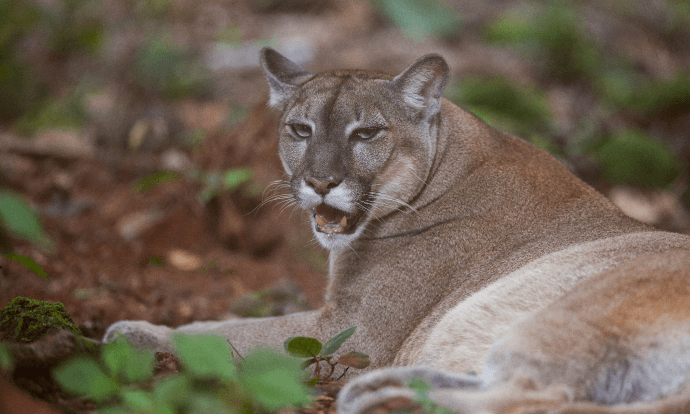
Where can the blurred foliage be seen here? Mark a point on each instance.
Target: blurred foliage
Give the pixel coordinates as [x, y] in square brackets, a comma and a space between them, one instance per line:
[167, 69]
[520, 109]
[17, 218]
[420, 18]
[669, 97]
[65, 112]
[67, 27]
[75, 26]
[554, 37]
[157, 178]
[19, 86]
[631, 157]
[211, 380]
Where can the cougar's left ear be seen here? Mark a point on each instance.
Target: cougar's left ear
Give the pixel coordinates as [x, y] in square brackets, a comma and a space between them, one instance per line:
[422, 83]
[283, 76]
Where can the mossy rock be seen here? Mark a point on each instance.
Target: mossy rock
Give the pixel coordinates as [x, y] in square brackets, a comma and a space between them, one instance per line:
[26, 320]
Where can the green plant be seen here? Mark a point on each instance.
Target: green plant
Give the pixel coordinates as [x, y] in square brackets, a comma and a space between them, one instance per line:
[157, 178]
[19, 85]
[214, 183]
[164, 68]
[210, 381]
[633, 158]
[54, 113]
[26, 320]
[418, 19]
[655, 97]
[554, 36]
[17, 218]
[218, 182]
[520, 109]
[315, 352]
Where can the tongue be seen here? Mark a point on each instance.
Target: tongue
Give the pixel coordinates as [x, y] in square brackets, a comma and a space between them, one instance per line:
[330, 220]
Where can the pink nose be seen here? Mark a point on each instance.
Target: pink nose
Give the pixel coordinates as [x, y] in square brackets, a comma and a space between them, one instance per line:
[322, 186]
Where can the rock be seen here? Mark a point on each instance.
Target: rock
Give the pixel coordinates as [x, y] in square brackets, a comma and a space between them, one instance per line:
[184, 260]
[26, 320]
[655, 207]
[133, 225]
[221, 56]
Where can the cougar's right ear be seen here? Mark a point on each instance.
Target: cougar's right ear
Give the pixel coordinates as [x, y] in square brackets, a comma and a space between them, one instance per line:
[283, 76]
[422, 83]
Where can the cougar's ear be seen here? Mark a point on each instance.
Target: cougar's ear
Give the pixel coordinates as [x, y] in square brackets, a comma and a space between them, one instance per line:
[283, 76]
[422, 83]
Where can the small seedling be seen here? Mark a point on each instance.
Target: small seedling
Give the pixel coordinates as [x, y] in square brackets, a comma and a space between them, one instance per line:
[315, 352]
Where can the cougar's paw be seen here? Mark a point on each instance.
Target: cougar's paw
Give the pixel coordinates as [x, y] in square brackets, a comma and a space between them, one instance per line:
[141, 334]
[385, 390]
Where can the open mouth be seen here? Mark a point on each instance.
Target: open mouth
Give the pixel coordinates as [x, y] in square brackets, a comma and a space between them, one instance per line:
[330, 220]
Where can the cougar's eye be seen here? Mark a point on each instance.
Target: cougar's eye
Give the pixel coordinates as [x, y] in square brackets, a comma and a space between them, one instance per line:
[300, 130]
[365, 134]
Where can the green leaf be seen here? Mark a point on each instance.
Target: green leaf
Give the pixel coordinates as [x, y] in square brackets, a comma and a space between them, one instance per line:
[199, 403]
[273, 380]
[137, 401]
[27, 262]
[303, 347]
[171, 389]
[122, 359]
[355, 360]
[116, 355]
[157, 178]
[205, 355]
[17, 218]
[232, 178]
[83, 376]
[5, 358]
[337, 341]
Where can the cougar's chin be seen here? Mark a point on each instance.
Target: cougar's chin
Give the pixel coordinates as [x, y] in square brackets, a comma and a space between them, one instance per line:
[335, 228]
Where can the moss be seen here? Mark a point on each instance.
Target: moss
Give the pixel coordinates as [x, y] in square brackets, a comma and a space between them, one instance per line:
[27, 320]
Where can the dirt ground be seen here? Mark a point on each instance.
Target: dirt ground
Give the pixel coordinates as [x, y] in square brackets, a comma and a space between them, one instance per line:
[164, 256]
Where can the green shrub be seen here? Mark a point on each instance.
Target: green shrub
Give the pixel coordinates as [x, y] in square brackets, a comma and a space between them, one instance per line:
[164, 68]
[19, 85]
[520, 109]
[666, 96]
[554, 37]
[630, 157]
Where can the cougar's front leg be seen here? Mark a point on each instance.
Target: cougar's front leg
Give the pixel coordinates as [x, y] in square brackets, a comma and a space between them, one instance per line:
[242, 333]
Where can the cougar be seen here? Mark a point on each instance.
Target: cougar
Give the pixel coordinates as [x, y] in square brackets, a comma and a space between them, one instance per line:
[457, 248]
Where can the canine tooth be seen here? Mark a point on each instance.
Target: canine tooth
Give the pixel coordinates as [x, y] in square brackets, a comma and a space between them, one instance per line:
[343, 222]
[320, 221]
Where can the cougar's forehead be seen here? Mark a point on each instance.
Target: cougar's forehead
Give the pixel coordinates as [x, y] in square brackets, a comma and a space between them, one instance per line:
[339, 103]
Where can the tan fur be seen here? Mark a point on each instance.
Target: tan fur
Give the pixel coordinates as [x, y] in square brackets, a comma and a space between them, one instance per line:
[466, 237]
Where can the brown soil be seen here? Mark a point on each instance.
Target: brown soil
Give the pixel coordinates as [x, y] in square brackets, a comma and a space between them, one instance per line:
[238, 245]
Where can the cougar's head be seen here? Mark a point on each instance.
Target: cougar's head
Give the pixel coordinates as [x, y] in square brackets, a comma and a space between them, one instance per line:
[357, 145]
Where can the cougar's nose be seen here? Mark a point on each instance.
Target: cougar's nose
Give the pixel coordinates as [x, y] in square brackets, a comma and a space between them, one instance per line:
[322, 186]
